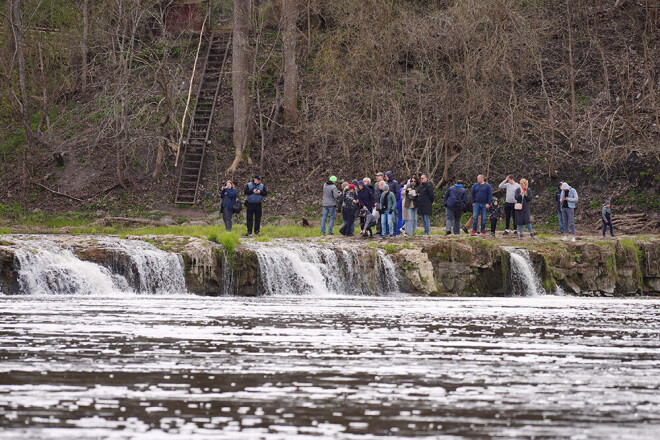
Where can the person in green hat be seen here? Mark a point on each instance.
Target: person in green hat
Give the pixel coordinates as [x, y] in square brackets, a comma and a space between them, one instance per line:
[330, 196]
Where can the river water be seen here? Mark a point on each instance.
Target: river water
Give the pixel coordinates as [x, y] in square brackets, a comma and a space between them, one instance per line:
[74, 367]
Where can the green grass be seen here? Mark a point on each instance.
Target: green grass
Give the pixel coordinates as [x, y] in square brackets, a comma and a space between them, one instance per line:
[204, 231]
[15, 213]
[4, 231]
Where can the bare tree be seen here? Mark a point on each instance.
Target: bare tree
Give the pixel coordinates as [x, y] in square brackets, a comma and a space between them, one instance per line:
[289, 37]
[84, 70]
[240, 76]
[23, 100]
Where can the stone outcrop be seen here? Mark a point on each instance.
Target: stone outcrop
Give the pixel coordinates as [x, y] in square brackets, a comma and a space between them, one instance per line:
[438, 266]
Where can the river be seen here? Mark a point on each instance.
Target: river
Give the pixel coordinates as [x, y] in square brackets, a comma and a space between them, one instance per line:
[280, 367]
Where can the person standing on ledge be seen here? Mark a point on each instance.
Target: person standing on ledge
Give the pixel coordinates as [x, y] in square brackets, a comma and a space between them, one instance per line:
[395, 189]
[569, 199]
[255, 192]
[523, 216]
[425, 198]
[558, 203]
[510, 200]
[228, 196]
[330, 196]
[606, 214]
[481, 196]
[455, 203]
[377, 193]
[388, 207]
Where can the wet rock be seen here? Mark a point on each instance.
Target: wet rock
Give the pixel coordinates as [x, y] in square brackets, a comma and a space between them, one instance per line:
[418, 269]
[8, 267]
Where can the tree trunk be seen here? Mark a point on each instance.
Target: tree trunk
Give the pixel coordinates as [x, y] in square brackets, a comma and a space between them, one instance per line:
[571, 66]
[45, 118]
[289, 36]
[17, 32]
[84, 71]
[240, 76]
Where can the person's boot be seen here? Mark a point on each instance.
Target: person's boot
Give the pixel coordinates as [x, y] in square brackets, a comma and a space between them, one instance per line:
[447, 233]
[506, 232]
[465, 230]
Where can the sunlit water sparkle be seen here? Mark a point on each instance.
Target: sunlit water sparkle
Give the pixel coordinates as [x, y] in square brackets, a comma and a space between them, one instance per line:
[80, 367]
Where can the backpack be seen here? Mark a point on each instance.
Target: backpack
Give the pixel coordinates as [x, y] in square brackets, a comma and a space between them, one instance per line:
[237, 207]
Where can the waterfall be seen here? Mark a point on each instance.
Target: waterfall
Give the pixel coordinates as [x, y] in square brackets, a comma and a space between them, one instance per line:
[316, 269]
[522, 279]
[154, 271]
[48, 266]
[45, 268]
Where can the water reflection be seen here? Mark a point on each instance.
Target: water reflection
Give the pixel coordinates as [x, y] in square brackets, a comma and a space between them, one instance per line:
[338, 367]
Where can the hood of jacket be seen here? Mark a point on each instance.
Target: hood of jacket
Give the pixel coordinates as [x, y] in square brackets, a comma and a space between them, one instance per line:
[390, 176]
[565, 186]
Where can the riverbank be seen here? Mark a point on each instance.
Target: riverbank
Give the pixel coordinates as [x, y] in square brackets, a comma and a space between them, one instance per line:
[219, 263]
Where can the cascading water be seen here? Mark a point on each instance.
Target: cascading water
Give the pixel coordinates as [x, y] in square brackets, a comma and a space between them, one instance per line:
[309, 268]
[154, 271]
[522, 279]
[45, 268]
[48, 267]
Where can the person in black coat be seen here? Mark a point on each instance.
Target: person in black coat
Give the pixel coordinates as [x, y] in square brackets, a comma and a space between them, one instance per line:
[523, 216]
[425, 198]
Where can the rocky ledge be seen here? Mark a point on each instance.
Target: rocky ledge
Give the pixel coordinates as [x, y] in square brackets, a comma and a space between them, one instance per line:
[456, 266]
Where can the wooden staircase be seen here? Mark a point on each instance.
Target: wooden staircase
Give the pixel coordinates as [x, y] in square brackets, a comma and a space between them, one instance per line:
[201, 118]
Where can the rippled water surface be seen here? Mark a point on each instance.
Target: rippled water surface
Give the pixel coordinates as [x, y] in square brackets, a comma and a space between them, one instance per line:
[348, 368]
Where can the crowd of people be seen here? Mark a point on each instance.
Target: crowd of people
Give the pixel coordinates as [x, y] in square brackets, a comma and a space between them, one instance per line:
[394, 209]
[390, 207]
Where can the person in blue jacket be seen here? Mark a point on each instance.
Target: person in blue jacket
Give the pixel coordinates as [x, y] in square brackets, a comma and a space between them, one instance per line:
[395, 188]
[228, 200]
[455, 203]
[255, 192]
[481, 196]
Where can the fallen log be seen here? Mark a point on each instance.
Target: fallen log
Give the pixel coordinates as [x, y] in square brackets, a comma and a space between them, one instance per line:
[58, 192]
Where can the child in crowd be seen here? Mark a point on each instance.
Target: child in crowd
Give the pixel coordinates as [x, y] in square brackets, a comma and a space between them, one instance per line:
[494, 214]
[606, 214]
[370, 220]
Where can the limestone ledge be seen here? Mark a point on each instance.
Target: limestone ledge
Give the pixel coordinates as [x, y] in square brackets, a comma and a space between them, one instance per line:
[457, 266]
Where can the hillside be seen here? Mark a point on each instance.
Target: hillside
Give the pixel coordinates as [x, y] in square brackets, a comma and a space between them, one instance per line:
[545, 89]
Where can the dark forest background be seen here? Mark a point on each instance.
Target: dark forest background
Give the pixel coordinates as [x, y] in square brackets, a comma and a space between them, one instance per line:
[94, 92]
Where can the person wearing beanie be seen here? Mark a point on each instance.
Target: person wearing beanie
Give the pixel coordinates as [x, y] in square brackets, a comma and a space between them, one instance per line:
[569, 199]
[606, 214]
[255, 192]
[348, 211]
[368, 221]
[388, 207]
[330, 196]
